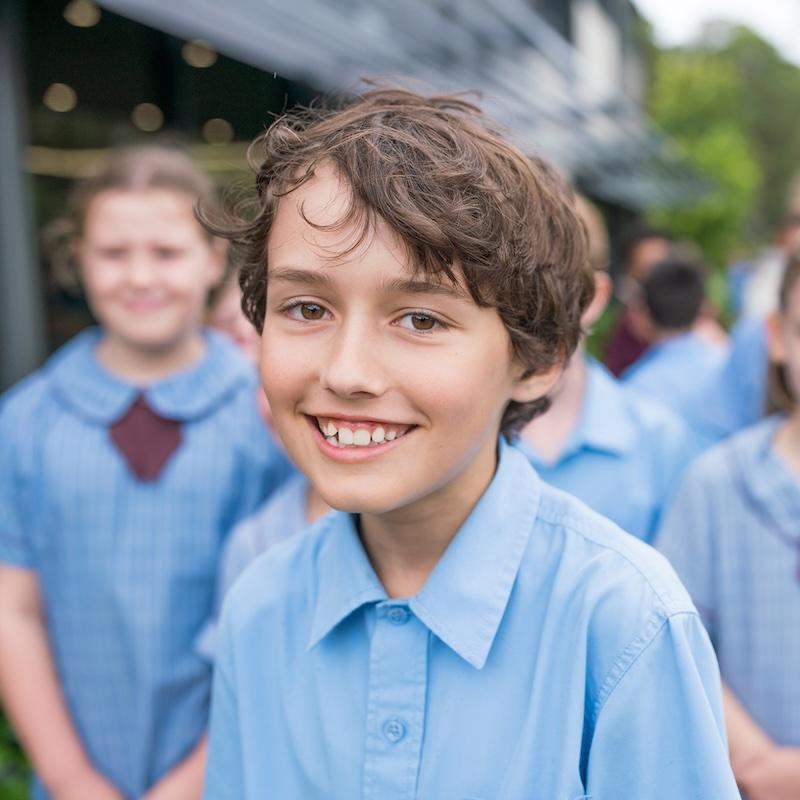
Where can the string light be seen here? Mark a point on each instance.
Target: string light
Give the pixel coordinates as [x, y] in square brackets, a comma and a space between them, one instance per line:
[218, 131]
[82, 13]
[60, 97]
[147, 117]
[199, 54]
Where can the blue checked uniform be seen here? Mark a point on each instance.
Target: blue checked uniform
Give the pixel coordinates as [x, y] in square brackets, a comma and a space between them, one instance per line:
[549, 655]
[625, 456]
[737, 396]
[675, 371]
[733, 535]
[127, 568]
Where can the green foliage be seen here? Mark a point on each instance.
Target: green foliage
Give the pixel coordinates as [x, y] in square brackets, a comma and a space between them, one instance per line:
[694, 98]
[733, 107]
[14, 772]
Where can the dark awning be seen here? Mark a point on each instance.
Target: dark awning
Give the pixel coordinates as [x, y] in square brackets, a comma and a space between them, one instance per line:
[527, 75]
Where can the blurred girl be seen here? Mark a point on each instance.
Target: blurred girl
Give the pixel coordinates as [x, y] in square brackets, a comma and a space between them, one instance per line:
[733, 534]
[124, 462]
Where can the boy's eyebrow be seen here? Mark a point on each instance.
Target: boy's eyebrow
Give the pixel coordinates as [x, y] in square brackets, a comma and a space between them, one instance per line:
[411, 286]
[398, 285]
[306, 276]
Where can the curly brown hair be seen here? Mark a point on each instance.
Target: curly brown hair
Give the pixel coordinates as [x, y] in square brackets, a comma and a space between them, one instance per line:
[466, 204]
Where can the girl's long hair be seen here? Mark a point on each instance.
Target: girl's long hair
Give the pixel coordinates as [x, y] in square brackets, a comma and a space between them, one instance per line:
[780, 396]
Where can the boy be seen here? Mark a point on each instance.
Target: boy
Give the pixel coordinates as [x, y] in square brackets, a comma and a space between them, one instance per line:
[458, 630]
[642, 247]
[681, 360]
[617, 450]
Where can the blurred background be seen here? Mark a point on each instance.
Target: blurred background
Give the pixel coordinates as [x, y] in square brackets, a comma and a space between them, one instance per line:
[684, 115]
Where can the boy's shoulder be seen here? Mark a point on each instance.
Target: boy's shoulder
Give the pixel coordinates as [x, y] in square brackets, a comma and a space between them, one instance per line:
[280, 577]
[725, 460]
[606, 562]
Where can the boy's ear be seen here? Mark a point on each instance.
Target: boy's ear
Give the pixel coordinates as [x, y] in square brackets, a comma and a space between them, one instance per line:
[537, 384]
[776, 344]
[603, 289]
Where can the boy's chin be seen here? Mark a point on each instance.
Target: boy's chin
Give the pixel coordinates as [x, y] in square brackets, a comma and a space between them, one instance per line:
[362, 501]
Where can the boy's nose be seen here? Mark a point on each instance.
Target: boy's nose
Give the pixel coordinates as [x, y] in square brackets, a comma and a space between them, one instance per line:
[352, 365]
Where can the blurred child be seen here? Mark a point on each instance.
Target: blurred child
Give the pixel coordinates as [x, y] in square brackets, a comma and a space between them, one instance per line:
[459, 628]
[680, 358]
[732, 535]
[642, 246]
[597, 436]
[125, 461]
[226, 316]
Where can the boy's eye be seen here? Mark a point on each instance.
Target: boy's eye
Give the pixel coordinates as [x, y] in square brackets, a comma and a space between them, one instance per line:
[306, 311]
[420, 322]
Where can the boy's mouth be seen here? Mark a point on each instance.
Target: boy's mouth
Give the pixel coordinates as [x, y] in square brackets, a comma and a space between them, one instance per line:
[359, 433]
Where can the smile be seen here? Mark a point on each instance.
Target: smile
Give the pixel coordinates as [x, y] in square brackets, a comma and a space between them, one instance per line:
[359, 433]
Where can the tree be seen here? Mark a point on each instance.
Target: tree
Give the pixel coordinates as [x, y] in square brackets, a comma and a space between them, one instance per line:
[732, 103]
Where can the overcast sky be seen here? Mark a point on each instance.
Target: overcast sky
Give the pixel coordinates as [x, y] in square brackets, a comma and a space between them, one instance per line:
[679, 21]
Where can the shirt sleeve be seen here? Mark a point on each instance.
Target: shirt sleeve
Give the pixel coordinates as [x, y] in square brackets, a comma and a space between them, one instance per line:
[685, 538]
[224, 777]
[15, 546]
[659, 733]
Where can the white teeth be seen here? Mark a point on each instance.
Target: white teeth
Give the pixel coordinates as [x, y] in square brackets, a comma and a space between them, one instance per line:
[329, 429]
[362, 437]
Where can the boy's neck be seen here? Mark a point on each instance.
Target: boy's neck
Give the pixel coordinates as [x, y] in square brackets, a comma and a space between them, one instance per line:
[787, 441]
[550, 432]
[142, 366]
[405, 545]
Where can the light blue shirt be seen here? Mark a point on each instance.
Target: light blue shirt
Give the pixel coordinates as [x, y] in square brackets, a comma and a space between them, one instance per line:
[733, 535]
[549, 655]
[127, 568]
[736, 397]
[282, 516]
[624, 457]
[675, 371]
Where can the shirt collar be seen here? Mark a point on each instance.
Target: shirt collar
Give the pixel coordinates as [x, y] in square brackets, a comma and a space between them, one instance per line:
[346, 580]
[98, 395]
[767, 480]
[605, 423]
[465, 597]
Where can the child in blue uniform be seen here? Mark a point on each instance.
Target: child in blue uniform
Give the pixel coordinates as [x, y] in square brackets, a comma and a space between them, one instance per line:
[682, 358]
[458, 629]
[617, 450]
[124, 462]
[733, 535]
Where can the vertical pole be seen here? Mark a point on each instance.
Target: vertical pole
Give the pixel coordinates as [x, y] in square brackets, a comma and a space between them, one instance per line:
[22, 332]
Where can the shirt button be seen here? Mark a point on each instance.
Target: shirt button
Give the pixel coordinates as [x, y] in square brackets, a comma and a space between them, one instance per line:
[397, 615]
[394, 729]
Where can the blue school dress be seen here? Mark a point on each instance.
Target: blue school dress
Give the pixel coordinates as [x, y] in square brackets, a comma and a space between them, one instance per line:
[625, 456]
[733, 535]
[549, 655]
[675, 371]
[736, 397]
[127, 567]
[282, 516]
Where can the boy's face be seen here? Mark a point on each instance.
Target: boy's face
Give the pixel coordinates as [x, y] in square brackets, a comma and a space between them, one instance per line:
[387, 389]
